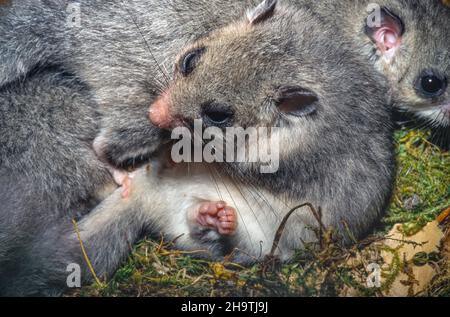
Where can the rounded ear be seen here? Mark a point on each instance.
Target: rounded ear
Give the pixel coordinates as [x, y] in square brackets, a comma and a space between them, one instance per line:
[262, 12]
[296, 101]
[385, 29]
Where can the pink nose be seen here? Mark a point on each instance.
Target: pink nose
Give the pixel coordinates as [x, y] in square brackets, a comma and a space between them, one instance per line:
[159, 112]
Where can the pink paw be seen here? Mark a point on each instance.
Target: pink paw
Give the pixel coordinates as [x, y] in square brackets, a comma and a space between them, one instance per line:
[123, 179]
[126, 187]
[218, 216]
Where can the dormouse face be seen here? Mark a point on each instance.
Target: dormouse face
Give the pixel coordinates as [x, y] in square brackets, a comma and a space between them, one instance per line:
[249, 74]
[271, 69]
[414, 48]
[243, 76]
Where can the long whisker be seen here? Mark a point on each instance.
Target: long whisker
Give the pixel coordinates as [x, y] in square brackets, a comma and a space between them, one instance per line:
[227, 189]
[236, 185]
[237, 209]
[263, 197]
[136, 24]
[215, 182]
[252, 188]
[248, 182]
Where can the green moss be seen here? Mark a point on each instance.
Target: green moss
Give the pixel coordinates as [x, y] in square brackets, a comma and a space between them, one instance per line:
[423, 183]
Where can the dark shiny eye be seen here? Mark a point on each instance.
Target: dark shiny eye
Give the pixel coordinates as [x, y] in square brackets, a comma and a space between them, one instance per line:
[431, 85]
[190, 61]
[217, 115]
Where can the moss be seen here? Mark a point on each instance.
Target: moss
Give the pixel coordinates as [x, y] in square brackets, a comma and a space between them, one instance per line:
[423, 183]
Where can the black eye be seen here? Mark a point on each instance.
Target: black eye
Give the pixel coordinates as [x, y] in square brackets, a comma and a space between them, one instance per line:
[189, 61]
[217, 114]
[431, 85]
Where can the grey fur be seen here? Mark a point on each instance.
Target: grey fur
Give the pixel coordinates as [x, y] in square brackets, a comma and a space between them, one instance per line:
[135, 76]
[50, 175]
[121, 50]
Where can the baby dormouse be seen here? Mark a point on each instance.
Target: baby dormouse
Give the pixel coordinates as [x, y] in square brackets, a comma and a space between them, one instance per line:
[269, 69]
[408, 42]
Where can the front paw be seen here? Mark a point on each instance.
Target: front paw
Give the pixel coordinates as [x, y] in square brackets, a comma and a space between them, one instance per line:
[128, 149]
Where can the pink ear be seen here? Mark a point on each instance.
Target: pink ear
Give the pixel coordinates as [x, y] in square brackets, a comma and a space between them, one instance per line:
[386, 32]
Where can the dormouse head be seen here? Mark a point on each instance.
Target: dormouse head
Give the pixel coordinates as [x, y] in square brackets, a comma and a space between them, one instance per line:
[273, 69]
[412, 41]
